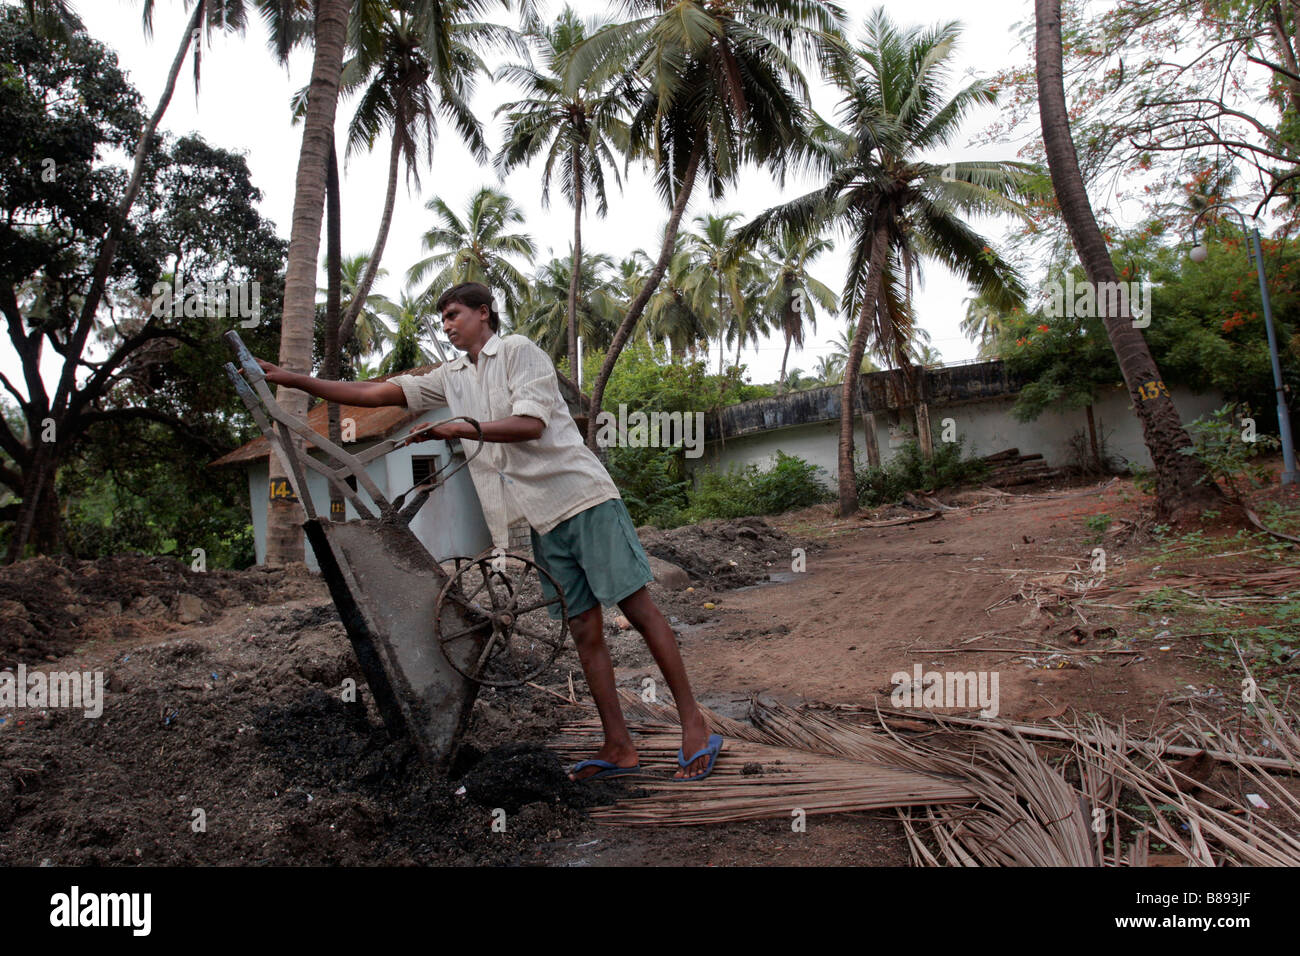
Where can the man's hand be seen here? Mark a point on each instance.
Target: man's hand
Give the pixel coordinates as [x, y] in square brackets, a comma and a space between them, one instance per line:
[441, 430]
[274, 374]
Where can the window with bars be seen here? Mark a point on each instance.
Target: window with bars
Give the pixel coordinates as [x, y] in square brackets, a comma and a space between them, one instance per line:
[422, 467]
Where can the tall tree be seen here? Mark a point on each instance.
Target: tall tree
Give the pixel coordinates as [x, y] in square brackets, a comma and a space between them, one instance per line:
[412, 64]
[680, 310]
[795, 295]
[60, 195]
[719, 88]
[370, 334]
[283, 532]
[1183, 487]
[897, 207]
[481, 246]
[55, 19]
[578, 121]
[545, 312]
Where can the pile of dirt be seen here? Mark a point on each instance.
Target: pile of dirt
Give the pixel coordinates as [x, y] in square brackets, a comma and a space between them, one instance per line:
[51, 606]
[512, 776]
[724, 554]
[235, 744]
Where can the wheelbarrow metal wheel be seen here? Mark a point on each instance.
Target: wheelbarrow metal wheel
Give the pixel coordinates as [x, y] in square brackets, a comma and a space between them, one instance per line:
[492, 621]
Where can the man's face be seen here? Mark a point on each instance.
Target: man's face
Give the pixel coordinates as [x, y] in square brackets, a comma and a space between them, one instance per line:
[464, 324]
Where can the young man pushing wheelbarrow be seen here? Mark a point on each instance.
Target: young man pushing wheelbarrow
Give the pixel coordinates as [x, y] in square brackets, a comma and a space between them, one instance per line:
[535, 467]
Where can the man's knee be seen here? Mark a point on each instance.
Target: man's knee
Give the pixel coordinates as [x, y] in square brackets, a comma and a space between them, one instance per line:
[586, 627]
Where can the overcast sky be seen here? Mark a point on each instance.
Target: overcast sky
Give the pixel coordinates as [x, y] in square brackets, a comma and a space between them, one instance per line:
[243, 105]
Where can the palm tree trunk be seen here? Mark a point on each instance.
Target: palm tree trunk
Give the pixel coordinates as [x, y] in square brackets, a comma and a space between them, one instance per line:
[639, 303]
[722, 322]
[349, 320]
[332, 361]
[848, 485]
[784, 357]
[283, 518]
[576, 272]
[1183, 487]
[1092, 439]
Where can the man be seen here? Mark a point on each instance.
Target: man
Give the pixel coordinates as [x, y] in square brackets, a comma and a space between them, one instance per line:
[535, 467]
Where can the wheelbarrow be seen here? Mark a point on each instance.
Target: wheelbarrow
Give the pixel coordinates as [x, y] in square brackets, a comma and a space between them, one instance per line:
[427, 636]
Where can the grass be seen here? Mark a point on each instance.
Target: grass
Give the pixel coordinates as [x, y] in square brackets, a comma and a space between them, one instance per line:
[1268, 634]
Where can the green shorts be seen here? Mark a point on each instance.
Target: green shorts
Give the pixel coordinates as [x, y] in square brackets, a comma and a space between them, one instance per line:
[595, 558]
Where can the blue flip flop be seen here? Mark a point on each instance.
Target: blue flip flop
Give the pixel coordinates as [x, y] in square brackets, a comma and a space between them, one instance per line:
[610, 769]
[713, 748]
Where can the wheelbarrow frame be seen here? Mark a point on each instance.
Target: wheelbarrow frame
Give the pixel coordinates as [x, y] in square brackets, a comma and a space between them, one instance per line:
[383, 580]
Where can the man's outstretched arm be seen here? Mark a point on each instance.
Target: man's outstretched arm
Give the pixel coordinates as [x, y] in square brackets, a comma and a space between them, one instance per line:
[360, 394]
[513, 428]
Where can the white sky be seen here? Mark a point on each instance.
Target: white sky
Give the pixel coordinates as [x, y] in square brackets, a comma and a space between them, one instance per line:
[243, 105]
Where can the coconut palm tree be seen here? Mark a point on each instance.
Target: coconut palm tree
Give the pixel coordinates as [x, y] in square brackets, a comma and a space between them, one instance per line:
[405, 351]
[1183, 486]
[794, 294]
[405, 86]
[370, 333]
[830, 369]
[722, 272]
[283, 536]
[843, 348]
[579, 122]
[982, 325]
[544, 313]
[720, 85]
[751, 321]
[478, 247]
[896, 207]
[680, 310]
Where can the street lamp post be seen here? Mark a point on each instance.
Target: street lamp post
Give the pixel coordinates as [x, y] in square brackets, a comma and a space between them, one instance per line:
[1199, 254]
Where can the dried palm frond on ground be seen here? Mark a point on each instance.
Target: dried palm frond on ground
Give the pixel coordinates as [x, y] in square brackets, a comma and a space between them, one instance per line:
[982, 793]
[757, 776]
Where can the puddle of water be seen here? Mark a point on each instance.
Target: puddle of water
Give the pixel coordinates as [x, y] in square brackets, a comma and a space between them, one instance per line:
[773, 577]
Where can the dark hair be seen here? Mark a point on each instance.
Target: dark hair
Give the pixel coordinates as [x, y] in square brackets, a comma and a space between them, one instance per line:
[473, 295]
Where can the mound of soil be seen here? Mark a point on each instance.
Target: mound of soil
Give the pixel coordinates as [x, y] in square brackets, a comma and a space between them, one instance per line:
[234, 745]
[511, 776]
[723, 554]
[49, 607]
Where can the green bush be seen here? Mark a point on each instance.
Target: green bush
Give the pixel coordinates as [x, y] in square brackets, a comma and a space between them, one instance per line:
[790, 483]
[909, 470]
[1220, 442]
[648, 480]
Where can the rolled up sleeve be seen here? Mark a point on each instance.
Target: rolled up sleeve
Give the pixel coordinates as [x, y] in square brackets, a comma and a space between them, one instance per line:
[422, 391]
[532, 382]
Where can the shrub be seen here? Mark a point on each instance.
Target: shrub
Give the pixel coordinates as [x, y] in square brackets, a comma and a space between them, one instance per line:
[909, 470]
[790, 483]
[1219, 441]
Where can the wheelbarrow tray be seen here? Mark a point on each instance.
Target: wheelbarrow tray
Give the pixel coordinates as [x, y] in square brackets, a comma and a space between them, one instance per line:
[385, 585]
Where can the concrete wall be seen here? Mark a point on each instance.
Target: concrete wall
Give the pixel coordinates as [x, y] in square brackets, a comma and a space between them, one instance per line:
[450, 523]
[986, 425]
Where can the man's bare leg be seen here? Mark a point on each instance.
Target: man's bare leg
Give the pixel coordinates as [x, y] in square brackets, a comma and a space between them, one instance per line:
[587, 629]
[646, 617]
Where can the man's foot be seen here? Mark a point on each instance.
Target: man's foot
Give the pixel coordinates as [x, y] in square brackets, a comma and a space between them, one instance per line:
[695, 737]
[621, 756]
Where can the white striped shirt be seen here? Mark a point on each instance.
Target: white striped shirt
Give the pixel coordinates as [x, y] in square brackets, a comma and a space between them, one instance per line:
[544, 480]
